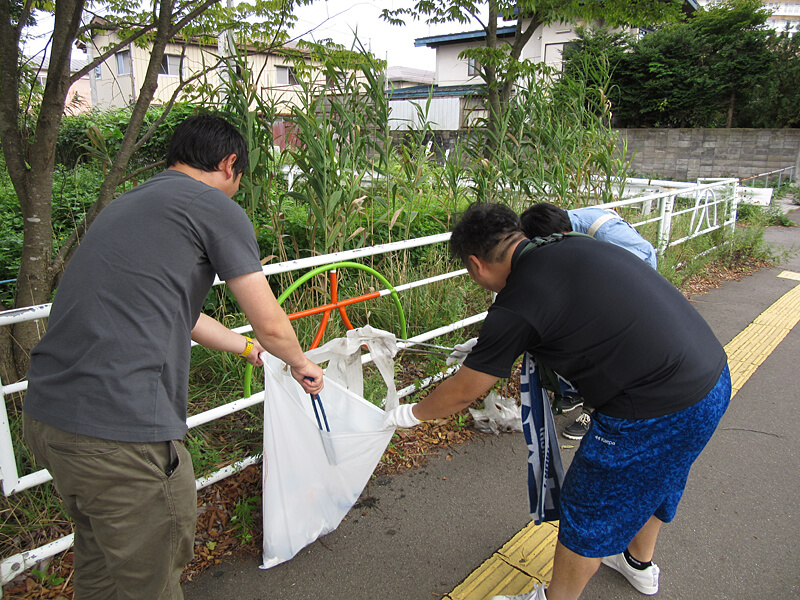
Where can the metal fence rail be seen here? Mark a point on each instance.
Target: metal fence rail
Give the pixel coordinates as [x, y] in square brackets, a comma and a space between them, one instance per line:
[785, 172]
[689, 209]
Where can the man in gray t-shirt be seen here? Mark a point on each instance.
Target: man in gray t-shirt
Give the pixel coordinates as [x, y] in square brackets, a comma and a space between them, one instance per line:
[106, 405]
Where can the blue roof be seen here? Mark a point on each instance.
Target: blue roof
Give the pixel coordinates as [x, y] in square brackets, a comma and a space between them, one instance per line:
[454, 38]
[466, 36]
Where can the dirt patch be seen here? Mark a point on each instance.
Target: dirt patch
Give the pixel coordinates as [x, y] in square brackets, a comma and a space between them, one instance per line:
[716, 274]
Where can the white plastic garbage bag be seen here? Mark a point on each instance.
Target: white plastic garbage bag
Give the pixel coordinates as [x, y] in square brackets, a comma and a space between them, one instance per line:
[343, 356]
[498, 414]
[311, 477]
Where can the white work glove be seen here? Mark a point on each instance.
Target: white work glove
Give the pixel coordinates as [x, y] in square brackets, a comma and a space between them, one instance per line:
[401, 417]
[461, 351]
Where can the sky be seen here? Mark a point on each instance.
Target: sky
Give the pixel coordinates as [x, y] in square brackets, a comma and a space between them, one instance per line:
[339, 20]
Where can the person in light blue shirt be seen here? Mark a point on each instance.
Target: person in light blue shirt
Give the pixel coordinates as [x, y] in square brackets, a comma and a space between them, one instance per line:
[543, 218]
[607, 226]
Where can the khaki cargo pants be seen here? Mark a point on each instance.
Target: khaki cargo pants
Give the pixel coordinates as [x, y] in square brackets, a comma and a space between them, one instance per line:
[134, 506]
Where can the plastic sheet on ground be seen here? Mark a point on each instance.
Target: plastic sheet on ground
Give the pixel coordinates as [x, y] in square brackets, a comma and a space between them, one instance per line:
[498, 414]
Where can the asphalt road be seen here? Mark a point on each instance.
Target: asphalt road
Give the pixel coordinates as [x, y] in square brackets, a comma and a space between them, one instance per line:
[736, 535]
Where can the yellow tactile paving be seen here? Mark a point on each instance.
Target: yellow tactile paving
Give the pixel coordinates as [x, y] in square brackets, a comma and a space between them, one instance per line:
[493, 577]
[748, 350]
[525, 559]
[528, 550]
[528, 557]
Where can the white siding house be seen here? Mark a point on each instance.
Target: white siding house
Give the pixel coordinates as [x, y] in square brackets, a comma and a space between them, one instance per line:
[455, 99]
[115, 82]
[457, 80]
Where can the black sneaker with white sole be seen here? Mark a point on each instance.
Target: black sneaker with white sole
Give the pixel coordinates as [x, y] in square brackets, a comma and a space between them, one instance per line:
[566, 404]
[578, 429]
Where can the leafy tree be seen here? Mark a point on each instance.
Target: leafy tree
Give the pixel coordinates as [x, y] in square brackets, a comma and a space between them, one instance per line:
[29, 124]
[694, 74]
[595, 44]
[592, 60]
[663, 82]
[501, 66]
[733, 35]
[776, 102]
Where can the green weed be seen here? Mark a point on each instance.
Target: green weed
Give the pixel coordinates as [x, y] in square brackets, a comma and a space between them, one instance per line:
[245, 513]
[47, 579]
[763, 216]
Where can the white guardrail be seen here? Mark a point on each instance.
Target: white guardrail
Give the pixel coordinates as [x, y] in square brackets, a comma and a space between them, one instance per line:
[705, 207]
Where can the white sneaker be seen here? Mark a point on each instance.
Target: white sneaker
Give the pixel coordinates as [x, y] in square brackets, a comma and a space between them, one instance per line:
[536, 594]
[645, 581]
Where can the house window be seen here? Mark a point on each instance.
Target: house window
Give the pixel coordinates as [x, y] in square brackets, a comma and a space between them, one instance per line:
[98, 72]
[124, 62]
[170, 65]
[552, 55]
[473, 67]
[42, 80]
[572, 47]
[286, 76]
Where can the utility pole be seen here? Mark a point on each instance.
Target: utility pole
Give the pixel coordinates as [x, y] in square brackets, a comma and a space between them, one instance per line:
[226, 50]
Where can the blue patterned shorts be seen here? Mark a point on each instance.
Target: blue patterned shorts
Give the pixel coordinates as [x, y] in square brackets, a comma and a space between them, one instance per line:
[626, 471]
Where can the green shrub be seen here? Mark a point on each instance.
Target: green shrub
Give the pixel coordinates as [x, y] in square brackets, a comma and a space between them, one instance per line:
[762, 216]
[77, 145]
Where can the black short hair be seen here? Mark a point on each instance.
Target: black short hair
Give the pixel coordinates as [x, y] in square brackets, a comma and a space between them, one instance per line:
[203, 141]
[481, 229]
[543, 219]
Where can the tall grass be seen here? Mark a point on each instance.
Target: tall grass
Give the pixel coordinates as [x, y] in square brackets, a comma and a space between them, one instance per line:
[338, 119]
[554, 142]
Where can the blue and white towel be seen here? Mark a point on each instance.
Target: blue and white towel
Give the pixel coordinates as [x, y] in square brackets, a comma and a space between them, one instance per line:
[545, 471]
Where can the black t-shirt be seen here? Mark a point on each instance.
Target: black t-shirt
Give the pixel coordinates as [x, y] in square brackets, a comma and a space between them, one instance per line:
[605, 320]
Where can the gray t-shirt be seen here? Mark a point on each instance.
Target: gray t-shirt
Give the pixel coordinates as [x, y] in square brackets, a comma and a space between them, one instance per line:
[114, 362]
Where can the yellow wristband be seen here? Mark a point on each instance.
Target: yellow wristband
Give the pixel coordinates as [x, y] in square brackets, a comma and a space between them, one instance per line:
[248, 348]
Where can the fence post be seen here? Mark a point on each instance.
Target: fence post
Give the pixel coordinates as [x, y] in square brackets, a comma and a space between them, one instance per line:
[8, 465]
[734, 204]
[665, 225]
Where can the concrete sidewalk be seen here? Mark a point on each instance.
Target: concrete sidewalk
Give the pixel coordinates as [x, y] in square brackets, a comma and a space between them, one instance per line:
[736, 535]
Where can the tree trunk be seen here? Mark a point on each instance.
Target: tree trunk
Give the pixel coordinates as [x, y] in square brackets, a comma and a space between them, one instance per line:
[33, 280]
[492, 90]
[8, 370]
[30, 162]
[39, 273]
[499, 87]
[30, 158]
[731, 104]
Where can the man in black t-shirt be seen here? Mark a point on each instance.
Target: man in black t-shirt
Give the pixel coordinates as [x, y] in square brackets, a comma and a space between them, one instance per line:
[641, 355]
[543, 219]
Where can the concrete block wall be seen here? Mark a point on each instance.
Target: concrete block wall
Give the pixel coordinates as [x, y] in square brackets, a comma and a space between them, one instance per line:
[686, 154]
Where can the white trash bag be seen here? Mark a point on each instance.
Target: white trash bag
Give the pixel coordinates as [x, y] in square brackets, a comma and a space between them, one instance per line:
[498, 414]
[312, 477]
